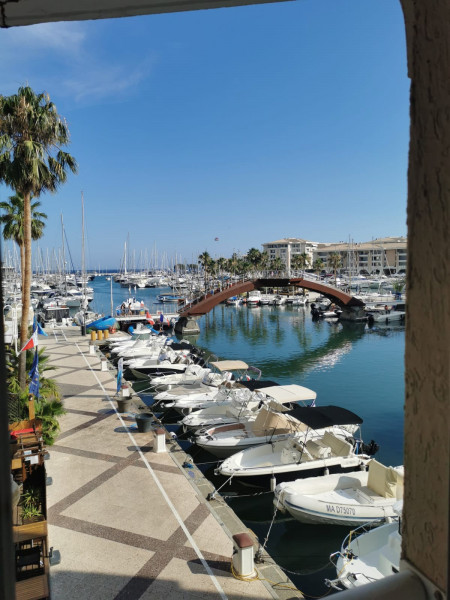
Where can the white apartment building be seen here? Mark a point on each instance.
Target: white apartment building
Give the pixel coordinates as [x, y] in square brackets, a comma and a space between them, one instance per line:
[379, 256]
[286, 248]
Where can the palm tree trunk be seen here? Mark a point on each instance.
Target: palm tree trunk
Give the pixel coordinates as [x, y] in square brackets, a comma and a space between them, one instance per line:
[22, 265]
[26, 285]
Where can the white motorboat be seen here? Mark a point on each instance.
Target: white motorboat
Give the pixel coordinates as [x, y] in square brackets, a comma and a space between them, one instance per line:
[214, 396]
[279, 300]
[145, 368]
[396, 313]
[150, 348]
[210, 382]
[241, 406]
[343, 499]
[234, 301]
[127, 342]
[223, 374]
[368, 554]
[270, 424]
[192, 376]
[133, 342]
[299, 300]
[265, 299]
[253, 298]
[327, 446]
[185, 399]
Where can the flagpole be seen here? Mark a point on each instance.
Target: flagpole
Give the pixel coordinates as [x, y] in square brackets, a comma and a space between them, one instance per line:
[110, 280]
[83, 268]
[31, 408]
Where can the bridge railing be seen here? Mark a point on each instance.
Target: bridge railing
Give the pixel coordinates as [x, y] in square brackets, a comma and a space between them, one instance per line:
[186, 306]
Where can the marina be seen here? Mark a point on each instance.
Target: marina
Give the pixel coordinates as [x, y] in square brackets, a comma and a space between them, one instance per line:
[282, 353]
[342, 363]
[239, 162]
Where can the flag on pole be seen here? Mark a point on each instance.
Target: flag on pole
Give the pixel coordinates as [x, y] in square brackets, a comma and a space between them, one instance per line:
[32, 342]
[38, 328]
[119, 374]
[34, 375]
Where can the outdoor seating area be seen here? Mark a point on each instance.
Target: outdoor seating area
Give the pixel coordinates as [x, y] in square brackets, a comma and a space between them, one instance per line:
[29, 515]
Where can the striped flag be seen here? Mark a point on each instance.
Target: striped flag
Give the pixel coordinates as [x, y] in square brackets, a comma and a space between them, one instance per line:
[32, 342]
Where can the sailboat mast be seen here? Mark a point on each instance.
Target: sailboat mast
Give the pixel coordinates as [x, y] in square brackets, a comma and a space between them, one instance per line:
[63, 256]
[83, 267]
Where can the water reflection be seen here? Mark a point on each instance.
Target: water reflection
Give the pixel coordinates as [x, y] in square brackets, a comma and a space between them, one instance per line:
[293, 343]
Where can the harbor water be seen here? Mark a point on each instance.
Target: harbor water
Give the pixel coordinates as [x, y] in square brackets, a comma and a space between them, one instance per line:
[355, 366]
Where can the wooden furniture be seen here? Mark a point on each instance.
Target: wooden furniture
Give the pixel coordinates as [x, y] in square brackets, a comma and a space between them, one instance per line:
[35, 588]
[30, 539]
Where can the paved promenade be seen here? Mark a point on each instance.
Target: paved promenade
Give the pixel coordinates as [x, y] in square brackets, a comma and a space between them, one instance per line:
[130, 523]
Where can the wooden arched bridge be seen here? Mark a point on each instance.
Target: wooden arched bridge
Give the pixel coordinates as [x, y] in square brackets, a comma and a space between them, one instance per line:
[203, 304]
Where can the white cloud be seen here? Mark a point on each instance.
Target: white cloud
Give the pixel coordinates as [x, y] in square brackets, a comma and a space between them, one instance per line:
[67, 55]
[101, 80]
[65, 37]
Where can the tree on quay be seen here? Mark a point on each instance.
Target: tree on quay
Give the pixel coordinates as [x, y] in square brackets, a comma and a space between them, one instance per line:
[206, 262]
[277, 265]
[300, 261]
[31, 162]
[318, 266]
[12, 221]
[335, 263]
[254, 258]
[264, 261]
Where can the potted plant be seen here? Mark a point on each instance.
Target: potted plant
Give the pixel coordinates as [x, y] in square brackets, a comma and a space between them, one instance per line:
[31, 505]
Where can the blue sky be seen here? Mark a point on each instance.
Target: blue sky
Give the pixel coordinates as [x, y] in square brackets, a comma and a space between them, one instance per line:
[248, 124]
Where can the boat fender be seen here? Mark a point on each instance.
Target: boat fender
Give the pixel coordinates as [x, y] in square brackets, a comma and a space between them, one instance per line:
[273, 483]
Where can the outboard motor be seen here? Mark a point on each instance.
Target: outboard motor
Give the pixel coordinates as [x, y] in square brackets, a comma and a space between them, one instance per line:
[315, 313]
[370, 449]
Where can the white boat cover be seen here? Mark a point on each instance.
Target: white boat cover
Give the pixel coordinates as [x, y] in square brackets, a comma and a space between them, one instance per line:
[289, 393]
[230, 365]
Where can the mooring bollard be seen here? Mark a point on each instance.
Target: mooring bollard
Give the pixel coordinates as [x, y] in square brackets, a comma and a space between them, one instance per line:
[243, 555]
[159, 444]
[104, 364]
[99, 334]
[125, 390]
[91, 348]
[93, 335]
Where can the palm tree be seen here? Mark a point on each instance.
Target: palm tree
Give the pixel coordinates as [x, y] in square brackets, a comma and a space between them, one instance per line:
[12, 220]
[300, 261]
[335, 263]
[221, 265]
[264, 261]
[233, 262]
[254, 257]
[31, 162]
[318, 265]
[277, 265]
[206, 262]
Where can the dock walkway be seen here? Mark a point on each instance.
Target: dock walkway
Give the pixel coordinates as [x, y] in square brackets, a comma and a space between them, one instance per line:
[130, 523]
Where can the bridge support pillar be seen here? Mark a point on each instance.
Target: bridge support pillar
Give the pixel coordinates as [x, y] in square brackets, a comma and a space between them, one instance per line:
[353, 313]
[187, 326]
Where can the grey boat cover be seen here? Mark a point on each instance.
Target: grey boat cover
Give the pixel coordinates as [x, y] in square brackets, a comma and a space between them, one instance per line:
[318, 417]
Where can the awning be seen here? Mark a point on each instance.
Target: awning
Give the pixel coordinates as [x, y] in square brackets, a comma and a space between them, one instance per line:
[318, 417]
[289, 393]
[230, 365]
